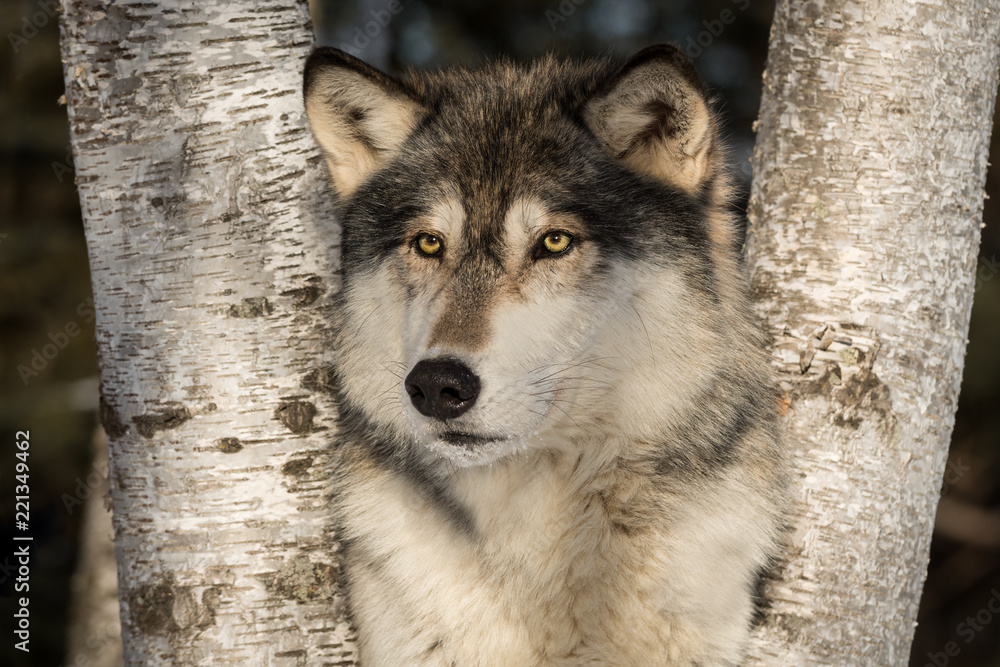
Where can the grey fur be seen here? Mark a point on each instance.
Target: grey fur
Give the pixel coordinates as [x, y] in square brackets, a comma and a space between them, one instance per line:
[617, 488]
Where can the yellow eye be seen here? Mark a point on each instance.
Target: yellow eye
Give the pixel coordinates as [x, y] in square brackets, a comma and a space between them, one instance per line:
[429, 245]
[556, 242]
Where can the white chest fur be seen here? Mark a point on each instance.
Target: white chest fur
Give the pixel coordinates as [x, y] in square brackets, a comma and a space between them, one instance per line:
[562, 566]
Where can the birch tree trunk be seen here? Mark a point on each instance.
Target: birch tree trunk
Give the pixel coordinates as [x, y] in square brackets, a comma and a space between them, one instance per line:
[865, 216]
[213, 253]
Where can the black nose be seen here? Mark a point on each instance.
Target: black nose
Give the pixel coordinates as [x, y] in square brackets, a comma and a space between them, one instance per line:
[442, 388]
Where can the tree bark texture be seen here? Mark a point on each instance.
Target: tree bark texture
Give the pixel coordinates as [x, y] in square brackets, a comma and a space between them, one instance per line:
[213, 255]
[865, 214]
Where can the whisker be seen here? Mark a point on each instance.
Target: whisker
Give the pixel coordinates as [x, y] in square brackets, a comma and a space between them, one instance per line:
[649, 341]
[568, 367]
[370, 313]
[392, 372]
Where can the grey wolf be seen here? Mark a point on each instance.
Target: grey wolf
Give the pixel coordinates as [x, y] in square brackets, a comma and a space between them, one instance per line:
[559, 440]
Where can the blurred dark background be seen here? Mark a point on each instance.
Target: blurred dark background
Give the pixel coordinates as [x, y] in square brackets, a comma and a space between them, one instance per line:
[48, 378]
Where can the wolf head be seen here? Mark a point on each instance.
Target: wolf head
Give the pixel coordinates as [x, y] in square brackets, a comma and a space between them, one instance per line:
[530, 253]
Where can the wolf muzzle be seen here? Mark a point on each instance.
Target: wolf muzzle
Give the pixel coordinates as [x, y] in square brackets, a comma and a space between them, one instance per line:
[442, 388]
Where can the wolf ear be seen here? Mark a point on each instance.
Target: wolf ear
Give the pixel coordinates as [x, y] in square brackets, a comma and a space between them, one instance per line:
[653, 116]
[359, 115]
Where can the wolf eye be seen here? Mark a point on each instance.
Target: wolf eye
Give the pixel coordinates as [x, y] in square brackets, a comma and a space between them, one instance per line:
[428, 245]
[554, 243]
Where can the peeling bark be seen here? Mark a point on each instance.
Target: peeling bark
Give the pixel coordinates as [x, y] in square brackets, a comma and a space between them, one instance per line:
[213, 255]
[865, 214]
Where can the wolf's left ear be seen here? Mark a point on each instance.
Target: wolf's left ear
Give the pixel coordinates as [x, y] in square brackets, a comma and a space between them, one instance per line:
[359, 115]
[653, 116]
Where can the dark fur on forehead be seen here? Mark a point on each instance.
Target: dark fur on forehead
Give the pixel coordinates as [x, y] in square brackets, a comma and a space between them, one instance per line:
[539, 91]
[493, 124]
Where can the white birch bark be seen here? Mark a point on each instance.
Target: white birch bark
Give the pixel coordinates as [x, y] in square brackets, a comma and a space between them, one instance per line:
[212, 251]
[865, 216]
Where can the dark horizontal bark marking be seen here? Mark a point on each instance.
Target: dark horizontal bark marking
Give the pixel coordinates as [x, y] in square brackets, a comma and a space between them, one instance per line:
[255, 306]
[297, 467]
[296, 415]
[149, 424]
[229, 445]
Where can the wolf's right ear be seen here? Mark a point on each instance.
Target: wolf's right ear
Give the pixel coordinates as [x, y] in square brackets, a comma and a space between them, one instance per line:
[653, 116]
[359, 115]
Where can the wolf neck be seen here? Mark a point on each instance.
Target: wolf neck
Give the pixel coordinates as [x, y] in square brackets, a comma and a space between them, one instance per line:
[556, 531]
[551, 502]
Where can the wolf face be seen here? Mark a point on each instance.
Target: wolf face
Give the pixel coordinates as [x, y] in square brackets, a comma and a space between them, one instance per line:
[505, 234]
[559, 440]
